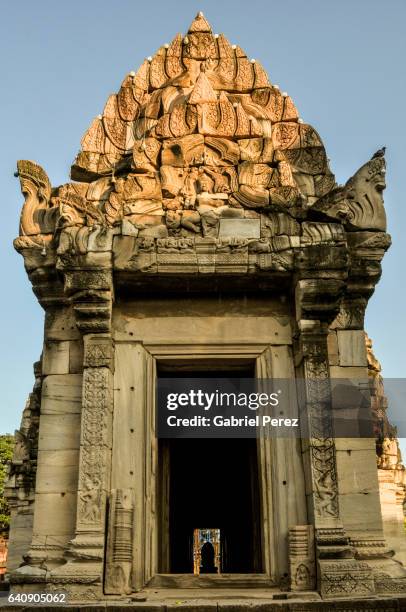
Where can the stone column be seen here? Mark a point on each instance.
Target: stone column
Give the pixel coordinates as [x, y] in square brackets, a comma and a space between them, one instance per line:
[359, 497]
[318, 293]
[88, 283]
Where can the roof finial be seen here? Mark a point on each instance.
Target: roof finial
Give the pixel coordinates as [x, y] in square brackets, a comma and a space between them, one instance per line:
[379, 153]
[199, 24]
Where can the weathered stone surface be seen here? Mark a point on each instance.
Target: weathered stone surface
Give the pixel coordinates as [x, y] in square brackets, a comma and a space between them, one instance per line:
[59, 432]
[62, 394]
[360, 202]
[204, 230]
[55, 515]
[244, 228]
[57, 471]
[351, 347]
[55, 358]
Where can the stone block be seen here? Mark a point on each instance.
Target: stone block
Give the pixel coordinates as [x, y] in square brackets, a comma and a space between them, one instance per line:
[55, 515]
[128, 228]
[75, 357]
[62, 394]
[361, 509]
[95, 260]
[356, 471]
[101, 239]
[55, 359]
[57, 471]
[202, 330]
[124, 249]
[59, 432]
[20, 538]
[358, 372]
[240, 228]
[184, 151]
[351, 347]
[60, 325]
[332, 345]
[158, 231]
[144, 207]
[355, 444]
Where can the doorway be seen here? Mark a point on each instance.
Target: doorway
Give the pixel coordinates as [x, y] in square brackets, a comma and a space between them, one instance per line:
[209, 483]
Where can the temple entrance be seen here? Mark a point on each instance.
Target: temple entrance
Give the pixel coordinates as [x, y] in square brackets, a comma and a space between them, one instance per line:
[209, 483]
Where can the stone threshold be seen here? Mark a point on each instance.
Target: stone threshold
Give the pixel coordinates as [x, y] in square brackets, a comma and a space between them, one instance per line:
[216, 581]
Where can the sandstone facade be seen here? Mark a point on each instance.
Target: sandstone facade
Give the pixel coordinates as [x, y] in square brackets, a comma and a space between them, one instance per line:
[202, 225]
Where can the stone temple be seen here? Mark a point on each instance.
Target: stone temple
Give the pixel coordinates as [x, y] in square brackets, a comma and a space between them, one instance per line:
[202, 231]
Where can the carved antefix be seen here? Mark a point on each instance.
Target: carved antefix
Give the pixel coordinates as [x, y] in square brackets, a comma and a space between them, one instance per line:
[119, 552]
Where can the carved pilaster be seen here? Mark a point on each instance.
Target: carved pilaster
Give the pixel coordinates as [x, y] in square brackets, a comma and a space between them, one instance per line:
[86, 550]
[338, 573]
[318, 423]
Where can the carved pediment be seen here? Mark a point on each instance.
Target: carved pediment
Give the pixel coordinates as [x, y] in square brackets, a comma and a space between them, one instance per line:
[199, 146]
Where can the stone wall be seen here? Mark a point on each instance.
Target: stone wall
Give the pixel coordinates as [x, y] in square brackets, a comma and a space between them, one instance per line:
[391, 471]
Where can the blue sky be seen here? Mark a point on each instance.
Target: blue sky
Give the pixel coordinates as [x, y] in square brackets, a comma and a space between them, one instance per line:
[341, 61]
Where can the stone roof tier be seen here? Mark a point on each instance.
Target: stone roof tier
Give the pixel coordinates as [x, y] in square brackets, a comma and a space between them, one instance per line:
[199, 148]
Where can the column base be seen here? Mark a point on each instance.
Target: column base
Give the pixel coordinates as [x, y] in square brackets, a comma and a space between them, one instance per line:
[344, 578]
[84, 561]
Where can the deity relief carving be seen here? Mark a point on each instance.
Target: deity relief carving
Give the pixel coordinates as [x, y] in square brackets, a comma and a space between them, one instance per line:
[90, 502]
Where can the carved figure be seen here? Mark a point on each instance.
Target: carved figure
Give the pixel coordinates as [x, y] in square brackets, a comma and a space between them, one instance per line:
[37, 215]
[359, 204]
[302, 576]
[188, 190]
[90, 499]
[75, 210]
[326, 493]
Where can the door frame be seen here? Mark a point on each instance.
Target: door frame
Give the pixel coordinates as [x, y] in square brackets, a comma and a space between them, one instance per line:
[141, 449]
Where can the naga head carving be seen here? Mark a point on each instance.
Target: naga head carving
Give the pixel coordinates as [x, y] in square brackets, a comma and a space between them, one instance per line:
[33, 178]
[36, 188]
[364, 192]
[359, 204]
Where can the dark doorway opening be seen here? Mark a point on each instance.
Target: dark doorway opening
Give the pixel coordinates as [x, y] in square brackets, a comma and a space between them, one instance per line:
[213, 483]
